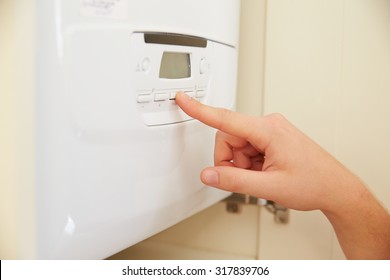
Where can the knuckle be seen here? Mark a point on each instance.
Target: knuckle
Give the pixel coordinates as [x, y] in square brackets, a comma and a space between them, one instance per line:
[275, 118]
[276, 121]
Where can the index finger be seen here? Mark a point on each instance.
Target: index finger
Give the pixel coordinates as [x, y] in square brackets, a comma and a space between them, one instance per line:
[230, 122]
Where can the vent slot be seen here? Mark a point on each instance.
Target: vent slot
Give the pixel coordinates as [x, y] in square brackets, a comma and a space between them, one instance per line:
[175, 39]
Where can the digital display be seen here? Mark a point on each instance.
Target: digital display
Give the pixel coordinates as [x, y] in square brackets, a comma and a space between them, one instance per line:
[175, 65]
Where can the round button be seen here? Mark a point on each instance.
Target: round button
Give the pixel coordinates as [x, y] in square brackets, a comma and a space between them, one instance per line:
[203, 66]
[145, 65]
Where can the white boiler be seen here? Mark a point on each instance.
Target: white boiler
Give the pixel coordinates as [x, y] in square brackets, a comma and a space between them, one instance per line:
[113, 160]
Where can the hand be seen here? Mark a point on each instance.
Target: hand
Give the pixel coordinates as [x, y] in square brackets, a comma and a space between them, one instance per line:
[269, 158]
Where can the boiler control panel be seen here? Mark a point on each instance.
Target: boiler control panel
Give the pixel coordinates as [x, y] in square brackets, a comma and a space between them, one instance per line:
[164, 64]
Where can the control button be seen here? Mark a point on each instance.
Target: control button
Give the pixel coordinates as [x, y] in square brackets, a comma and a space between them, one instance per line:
[145, 66]
[144, 98]
[190, 93]
[203, 66]
[200, 93]
[172, 95]
[161, 96]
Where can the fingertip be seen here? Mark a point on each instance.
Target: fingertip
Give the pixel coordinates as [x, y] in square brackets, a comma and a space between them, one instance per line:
[182, 98]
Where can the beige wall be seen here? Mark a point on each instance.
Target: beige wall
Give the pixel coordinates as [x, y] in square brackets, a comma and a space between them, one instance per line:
[303, 70]
[364, 127]
[16, 129]
[328, 71]
[7, 134]
[251, 57]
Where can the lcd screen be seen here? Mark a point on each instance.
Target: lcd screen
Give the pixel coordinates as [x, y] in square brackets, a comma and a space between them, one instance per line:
[175, 65]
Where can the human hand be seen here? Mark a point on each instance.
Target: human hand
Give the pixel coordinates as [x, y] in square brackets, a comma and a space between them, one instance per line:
[269, 158]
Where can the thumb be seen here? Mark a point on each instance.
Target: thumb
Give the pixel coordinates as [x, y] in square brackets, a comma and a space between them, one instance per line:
[257, 183]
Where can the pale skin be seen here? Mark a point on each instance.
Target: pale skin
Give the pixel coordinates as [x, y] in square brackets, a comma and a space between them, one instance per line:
[267, 157]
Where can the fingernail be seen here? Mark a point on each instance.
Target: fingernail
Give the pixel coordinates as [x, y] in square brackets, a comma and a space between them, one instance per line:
[210, 177]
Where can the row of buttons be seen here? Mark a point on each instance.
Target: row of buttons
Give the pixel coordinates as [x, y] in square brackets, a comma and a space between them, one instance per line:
[163, 96]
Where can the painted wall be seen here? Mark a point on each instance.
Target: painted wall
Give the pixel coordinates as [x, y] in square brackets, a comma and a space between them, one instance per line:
[16, 128]
[328, 71]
